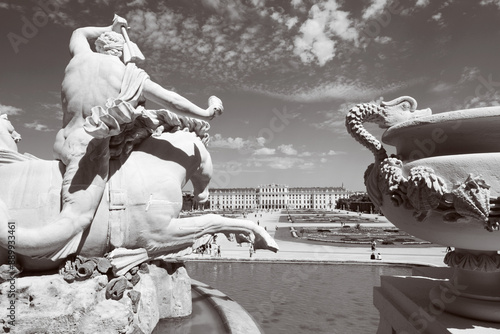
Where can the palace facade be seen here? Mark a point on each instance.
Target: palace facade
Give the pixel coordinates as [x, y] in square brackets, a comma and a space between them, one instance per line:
[276, 196]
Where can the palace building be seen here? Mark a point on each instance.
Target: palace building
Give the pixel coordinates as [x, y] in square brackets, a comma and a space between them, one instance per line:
[277, 196]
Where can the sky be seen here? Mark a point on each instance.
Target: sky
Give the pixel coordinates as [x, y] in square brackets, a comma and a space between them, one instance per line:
[286, 71]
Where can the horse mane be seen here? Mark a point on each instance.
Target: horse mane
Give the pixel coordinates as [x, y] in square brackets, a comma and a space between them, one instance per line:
[161, 121]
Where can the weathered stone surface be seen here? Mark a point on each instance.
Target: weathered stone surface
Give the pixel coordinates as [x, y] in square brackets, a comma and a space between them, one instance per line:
[174, 293]
[165, 293]
[49, 304]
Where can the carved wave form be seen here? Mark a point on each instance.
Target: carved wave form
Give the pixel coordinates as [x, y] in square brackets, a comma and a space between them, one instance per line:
[466, 261]
[472, 198]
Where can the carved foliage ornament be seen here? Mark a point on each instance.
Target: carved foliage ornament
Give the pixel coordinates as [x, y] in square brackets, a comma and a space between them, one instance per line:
[420, 189]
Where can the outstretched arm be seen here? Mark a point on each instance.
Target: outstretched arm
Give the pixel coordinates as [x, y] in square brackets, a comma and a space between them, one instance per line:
[180, 105]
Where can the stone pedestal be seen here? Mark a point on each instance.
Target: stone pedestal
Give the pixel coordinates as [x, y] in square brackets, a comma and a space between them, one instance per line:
[48, 304]
[416, 304]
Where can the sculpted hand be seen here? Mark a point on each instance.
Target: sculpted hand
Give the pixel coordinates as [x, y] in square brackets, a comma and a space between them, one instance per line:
[118, 23]
[215, 107]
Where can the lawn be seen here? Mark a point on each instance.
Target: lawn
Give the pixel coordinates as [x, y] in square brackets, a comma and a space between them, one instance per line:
[351, 234]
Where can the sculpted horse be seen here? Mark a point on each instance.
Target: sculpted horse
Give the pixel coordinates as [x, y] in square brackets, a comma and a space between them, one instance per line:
[140, 208]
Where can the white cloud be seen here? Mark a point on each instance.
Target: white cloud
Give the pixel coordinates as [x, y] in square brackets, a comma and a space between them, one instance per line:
[316, 40]
[264, 151]
[282, 164]
[234, 10]
[437, 16]
[469, 74]
[287, 149]
[36, 125]
[342, 89]
[422, 3]
[306, 165]
[217, 141]
[382, 39]
[442, 87]
[138, 3]
[490, 2]
[290, 22]
[244, 146]
[10, 110]
[375, 8]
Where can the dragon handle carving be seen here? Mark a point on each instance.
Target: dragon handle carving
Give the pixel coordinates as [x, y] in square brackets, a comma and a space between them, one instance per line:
[419, 189]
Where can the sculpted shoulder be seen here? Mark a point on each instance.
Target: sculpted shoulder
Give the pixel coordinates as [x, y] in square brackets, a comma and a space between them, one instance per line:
[95, 61]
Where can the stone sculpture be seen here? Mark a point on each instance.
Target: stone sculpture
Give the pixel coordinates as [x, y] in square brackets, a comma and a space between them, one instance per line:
[8, 135]
[114, 185]
[441, 186]
[110, 203]
[417, 188]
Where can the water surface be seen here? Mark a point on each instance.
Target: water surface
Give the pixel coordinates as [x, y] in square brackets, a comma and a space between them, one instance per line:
[301, 298]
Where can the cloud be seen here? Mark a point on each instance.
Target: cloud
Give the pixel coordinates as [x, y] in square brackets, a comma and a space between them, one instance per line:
[265, 151]
[36, 125]
[490, 2]
[437, 17]
[306, 166]
[284, 162]
[251, 145]
[382, 39]
[469, 74]
[138, 3]
[341, 89]
[287, 149]
[375, 8]
[441, 87]
[217, 141]
[232, 9]
[316, 41]
[10, 110]
[422, 3]
[332, 153]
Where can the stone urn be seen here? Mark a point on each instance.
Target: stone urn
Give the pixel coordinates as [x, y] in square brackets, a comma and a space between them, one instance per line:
[442, 185]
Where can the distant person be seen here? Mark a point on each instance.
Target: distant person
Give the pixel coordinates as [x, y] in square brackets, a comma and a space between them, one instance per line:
[258, 223]
[218, 251]
[374, 245]
[372, 257]
[251, 250]
[379, 257]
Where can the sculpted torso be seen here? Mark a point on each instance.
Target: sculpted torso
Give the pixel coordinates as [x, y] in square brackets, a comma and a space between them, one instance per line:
[90, 79]
[156, 172]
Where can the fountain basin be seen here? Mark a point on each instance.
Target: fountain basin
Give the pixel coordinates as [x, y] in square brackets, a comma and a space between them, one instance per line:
[454, 145]
[442, 186]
